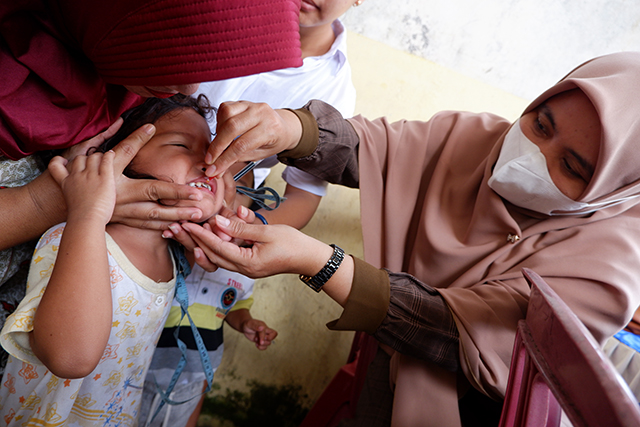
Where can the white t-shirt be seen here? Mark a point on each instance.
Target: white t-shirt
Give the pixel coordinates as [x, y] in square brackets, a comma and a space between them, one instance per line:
[111, 394]
[326, 77]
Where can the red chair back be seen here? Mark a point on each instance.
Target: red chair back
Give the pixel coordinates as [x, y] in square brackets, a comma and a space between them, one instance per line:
[557, 364]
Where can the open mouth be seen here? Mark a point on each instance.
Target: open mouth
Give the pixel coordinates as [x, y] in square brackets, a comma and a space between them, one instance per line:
[202, 185]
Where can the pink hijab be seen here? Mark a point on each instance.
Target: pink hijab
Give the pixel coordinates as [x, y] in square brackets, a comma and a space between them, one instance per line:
[62, 61]
[427, 210]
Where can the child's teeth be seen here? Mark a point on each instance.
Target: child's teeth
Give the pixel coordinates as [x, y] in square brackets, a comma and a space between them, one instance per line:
[200, 184]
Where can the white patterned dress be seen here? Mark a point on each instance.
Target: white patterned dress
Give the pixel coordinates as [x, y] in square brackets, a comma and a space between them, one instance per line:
[30, 395]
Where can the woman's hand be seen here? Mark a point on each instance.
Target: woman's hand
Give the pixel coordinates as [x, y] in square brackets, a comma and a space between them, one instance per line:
[137, 199]
[248, 131]
[276, 249]
[83, 148]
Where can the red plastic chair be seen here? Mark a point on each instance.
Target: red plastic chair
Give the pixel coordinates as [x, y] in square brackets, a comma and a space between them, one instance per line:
[557, 364]
[340, 398]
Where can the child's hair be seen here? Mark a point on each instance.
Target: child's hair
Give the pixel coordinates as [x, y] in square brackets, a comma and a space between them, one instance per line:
[151, 110]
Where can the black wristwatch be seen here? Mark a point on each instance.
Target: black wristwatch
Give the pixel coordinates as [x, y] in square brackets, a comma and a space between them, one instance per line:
[317, 282]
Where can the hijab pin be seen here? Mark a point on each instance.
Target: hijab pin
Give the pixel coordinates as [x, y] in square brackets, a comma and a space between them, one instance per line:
[512, 238]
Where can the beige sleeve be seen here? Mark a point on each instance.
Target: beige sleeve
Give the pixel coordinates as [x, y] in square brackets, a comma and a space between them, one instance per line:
[368, 301]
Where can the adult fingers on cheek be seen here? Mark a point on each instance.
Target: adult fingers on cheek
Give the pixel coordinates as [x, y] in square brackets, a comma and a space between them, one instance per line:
[203, 261]
[207, 257]
[156, 216]
[161, 190]
[177, 233]
[138, 223]
[241, 230]
[127, 149]
[83, 147]
[245, 214]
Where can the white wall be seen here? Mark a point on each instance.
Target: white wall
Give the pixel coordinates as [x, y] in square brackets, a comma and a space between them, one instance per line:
[520, 46]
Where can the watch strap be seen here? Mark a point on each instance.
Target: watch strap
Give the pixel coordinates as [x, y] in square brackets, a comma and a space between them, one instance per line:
[317, 282]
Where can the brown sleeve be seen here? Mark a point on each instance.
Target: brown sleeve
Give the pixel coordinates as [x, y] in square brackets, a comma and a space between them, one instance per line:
[403, 313]
[419, 323]
[368, 301]
[328, 148]
[309, 139]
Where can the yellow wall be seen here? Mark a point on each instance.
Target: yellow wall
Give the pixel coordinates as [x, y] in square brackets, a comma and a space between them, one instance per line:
[388, 83]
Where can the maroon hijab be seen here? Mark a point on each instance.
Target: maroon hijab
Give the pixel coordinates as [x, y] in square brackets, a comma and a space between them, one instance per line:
[62, 62]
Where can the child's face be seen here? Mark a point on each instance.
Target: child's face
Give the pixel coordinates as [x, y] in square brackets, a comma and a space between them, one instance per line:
[318, 12]
[176, 154]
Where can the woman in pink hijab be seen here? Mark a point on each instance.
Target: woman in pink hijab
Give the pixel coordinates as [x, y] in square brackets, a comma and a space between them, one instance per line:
[452, 210]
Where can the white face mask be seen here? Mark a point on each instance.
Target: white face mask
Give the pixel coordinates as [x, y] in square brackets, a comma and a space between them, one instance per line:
[521, 176]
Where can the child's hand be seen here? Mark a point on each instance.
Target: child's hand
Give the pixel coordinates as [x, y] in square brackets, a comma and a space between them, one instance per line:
[258, 332]
[88, 185]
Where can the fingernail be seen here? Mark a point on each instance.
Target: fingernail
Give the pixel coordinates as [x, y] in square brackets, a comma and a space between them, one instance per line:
[166, 235]
[197, 196]
[208, 159]
[220, 220]
[210, 171]
[148, 129]
[174, 229]
[243, 210]
[196, 215]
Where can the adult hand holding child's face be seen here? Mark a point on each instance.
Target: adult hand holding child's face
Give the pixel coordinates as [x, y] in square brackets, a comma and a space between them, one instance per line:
[137, 199]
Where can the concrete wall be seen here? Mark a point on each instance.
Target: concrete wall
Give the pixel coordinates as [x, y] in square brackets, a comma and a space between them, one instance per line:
[521, 46]
[411, 59]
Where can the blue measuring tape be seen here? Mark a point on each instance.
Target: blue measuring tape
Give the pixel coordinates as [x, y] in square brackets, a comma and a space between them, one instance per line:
[182, 296]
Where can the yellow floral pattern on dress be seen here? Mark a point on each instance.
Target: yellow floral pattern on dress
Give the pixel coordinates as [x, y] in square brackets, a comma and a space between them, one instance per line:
[51, 418]
[24, 320]
[114, 379]
[114, 276]
[126, 304]
[110, 352]
[28, 372]
[31, 395]
[46, 272]
[134, 351]
[128, 330]
[10, 383]
[31, 401]
[52, 384]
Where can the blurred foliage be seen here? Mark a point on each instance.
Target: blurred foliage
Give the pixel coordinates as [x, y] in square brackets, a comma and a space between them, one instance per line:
[264, 405]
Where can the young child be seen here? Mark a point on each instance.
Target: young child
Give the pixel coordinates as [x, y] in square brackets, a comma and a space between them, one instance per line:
[98, 294]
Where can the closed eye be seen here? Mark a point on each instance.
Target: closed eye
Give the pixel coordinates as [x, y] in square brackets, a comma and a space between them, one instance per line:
[584, 169]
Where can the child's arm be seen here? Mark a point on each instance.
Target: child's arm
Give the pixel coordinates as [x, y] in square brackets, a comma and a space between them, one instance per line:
[255, 330]
[296, 211]
[72, 323]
